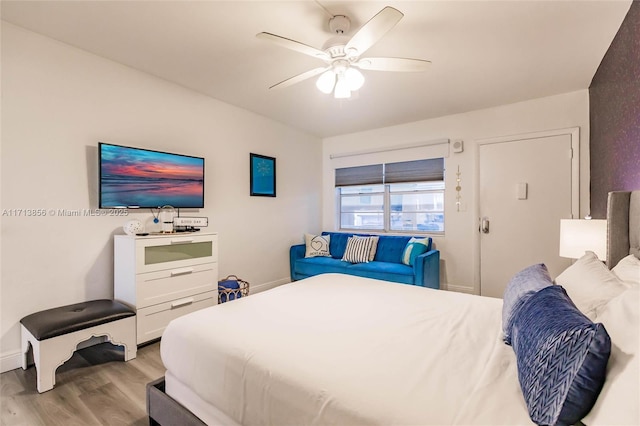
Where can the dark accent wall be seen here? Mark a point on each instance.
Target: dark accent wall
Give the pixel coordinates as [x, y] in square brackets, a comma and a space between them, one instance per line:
[614, 101]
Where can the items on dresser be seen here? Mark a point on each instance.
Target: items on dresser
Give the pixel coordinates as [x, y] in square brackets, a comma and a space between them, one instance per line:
[163, 277]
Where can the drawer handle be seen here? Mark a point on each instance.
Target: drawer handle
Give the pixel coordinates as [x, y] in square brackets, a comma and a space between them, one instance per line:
[181, 241]
[183, 302]
[182, 271]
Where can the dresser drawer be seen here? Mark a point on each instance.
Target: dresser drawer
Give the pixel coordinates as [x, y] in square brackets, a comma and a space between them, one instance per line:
[168, 252]
[170, 284]
[152, 321]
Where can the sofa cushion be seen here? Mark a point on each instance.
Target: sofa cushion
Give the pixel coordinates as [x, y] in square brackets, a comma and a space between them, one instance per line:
[388, 271]
[338, 243]
[319, 265]
[390, 248]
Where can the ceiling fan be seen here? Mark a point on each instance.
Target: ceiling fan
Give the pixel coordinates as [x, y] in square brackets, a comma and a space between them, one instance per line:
[342, 56]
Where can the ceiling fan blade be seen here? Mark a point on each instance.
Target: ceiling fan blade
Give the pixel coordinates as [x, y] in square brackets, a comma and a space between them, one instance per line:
[373, 31]
[393, 64]
[294, 45]
[298, 78]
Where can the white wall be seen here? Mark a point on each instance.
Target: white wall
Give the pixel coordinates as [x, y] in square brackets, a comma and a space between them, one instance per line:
[57, 103]
[458, 245]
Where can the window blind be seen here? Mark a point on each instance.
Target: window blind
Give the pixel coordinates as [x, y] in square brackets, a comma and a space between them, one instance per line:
[414, 171]
[405, 171]
[361, 175]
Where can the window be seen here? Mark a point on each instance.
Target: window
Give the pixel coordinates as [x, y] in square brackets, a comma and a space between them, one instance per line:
[406, 196]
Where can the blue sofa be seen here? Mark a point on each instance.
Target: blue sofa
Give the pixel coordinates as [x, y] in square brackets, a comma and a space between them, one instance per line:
[387, 264]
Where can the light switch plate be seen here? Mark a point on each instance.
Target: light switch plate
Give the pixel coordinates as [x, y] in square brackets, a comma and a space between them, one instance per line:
[522, 190]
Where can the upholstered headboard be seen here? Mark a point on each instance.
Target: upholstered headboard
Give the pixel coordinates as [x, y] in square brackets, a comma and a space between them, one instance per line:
[623, 226]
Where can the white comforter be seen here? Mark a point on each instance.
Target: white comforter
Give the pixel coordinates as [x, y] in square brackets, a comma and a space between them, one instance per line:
[337, 349]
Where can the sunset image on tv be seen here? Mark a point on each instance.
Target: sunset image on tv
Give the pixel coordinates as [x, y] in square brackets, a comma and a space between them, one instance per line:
[142, 178]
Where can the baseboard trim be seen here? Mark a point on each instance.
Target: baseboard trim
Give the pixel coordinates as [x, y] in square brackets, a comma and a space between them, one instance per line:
[268, 286]
[10, 362]
[459, 288]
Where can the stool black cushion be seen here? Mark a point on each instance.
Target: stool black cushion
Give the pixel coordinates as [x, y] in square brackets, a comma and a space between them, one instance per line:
[67, 319]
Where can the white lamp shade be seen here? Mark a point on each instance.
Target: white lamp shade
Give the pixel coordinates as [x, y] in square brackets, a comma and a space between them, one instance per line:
[326, 81]
[342, 88]
[354, 78]
[580, 235]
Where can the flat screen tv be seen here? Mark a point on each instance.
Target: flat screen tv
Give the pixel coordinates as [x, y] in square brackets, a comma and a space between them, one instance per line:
[142, 178]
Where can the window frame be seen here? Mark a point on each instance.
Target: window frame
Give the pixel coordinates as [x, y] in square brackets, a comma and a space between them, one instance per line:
[386, 209]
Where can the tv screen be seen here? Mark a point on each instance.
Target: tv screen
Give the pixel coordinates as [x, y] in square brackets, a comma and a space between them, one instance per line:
[135, 177]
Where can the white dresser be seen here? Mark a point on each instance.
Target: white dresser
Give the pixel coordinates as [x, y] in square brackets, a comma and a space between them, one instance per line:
[165, 276]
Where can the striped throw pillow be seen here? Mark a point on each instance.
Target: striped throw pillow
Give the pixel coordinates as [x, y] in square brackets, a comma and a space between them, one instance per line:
[358, 249]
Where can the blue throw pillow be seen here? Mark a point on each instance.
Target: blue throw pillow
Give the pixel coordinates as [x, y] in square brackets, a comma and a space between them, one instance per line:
[521, 287]
[414, 248]
[561, 356]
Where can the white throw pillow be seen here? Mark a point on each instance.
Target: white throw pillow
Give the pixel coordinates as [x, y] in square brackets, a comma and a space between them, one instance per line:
[628, 270]
[374, 247]
[317, 245]
[618, 401]
[589, 284]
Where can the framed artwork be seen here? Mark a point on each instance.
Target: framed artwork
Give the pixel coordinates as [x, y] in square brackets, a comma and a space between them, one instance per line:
[263, 175]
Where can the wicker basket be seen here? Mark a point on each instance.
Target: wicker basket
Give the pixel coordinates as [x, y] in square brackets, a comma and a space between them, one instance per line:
[231, 288]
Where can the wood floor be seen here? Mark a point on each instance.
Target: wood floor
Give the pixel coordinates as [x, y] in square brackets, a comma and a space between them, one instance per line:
[95, 387]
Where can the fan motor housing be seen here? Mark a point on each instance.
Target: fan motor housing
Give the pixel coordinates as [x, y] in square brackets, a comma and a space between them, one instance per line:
[339, 24]
[335, 46]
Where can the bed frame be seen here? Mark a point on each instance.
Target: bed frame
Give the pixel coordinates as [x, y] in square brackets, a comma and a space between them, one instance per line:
[164, 410]
[623, 226]
[623, 238]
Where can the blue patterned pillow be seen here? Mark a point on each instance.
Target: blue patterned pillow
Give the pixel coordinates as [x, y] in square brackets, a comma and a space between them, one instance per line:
[561, 356]
[521, 287]
[414, 248]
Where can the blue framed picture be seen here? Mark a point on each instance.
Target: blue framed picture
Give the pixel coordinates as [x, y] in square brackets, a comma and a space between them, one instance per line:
[263, 175]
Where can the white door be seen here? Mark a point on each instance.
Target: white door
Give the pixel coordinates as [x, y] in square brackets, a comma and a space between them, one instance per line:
[526, 185]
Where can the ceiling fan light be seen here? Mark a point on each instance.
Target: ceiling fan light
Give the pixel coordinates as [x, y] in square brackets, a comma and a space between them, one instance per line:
[326, 81]
[342, 88]
[354, 78]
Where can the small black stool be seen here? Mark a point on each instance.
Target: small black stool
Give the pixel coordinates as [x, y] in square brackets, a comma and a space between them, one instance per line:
[54, 334]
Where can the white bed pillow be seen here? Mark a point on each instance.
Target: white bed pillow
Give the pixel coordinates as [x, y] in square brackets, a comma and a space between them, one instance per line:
[628, 270]
[618, 400]
[589, 284]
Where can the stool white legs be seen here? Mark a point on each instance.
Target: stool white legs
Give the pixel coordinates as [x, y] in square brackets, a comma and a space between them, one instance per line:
[49, 354]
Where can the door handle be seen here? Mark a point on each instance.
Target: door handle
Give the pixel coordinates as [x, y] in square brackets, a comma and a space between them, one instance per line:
[484, 225]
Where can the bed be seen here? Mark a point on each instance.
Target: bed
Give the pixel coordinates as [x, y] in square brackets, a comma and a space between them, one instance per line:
[344, 350]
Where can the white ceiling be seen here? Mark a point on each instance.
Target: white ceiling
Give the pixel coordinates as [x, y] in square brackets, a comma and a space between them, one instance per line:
[484, 53]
